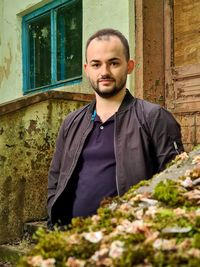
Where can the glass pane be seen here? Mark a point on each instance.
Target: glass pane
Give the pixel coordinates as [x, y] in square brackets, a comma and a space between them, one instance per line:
[69, 41]
[40, 51]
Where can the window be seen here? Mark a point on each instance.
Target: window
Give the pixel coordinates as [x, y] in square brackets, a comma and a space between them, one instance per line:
[52, 45]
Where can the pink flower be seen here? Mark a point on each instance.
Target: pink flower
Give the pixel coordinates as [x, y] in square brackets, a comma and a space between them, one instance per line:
[38, 261]
[187, 183]
[181, 157]
[116, 249]
[73, 262]
[101, 254]
[164, 244]
[196, 160]
[93, 237]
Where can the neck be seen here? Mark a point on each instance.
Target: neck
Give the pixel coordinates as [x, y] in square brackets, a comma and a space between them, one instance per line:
[106, 107]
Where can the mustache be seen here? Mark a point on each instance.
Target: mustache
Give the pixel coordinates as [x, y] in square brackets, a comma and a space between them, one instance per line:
[106, 77]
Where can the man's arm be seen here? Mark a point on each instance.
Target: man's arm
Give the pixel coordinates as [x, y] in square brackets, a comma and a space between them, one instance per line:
[54, 170]
[166, 136]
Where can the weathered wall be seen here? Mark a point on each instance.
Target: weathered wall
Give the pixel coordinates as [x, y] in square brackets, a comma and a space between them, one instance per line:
[168, 60]
[27, 138]
[121, 16]
[190, 126]
[183, 68]
[149, 73]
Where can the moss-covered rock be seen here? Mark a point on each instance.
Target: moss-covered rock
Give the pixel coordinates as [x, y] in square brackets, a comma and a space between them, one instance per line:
[159, 226]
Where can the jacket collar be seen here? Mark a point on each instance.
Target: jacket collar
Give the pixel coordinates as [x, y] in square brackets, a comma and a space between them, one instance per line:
[128, 99]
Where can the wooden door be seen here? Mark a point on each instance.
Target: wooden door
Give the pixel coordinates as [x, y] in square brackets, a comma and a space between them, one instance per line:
[182, 66]
[168, 60]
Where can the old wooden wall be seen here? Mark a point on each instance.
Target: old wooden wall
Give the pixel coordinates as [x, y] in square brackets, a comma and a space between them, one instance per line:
[182, 60]
[168, 60]
[186, 32]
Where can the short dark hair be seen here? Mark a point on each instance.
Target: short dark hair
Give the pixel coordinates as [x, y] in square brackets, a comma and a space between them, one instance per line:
[109, 32]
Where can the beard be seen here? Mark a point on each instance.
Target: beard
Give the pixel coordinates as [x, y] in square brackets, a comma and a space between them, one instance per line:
[109, 92]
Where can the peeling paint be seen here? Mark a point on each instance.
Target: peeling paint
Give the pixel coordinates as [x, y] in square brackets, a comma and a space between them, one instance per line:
[33, 127]
[1, 131]
[5, 68]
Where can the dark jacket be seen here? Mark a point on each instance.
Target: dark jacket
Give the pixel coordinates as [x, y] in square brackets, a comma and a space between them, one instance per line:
[146, 138]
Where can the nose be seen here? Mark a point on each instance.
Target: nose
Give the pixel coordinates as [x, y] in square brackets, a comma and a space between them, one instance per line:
[105, 70]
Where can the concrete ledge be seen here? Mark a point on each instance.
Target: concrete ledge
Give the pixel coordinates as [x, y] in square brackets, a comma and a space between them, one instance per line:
[10, 254]
[31, 227]
[36, 98]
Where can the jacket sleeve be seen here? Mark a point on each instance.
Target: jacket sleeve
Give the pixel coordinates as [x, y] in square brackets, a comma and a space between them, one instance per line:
[165, 135]
[54, 170]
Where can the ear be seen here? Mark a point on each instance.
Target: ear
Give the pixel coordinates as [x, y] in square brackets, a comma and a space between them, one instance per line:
[85, 69]
[131, 65]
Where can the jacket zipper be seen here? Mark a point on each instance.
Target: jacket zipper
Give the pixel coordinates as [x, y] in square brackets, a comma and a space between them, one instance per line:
[115, 151]
[79, 149]
[176, 147]
[77, 153]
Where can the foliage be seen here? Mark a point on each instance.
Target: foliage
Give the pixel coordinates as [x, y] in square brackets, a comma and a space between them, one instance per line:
[158, 229]
[168, 192]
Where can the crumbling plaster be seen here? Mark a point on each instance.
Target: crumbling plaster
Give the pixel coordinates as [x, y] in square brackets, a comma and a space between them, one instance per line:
[27, 141]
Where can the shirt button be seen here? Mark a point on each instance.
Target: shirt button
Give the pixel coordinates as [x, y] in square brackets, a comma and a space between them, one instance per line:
[101, 127]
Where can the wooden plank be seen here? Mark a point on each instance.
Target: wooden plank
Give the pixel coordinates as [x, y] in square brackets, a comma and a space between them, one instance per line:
[188, 71]
[186, 82]
[149, 71]
[168, 33]
[139, 67]
[186, 32]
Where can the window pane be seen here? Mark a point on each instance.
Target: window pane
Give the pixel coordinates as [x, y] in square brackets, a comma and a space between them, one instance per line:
[40, 51]
[69, 41]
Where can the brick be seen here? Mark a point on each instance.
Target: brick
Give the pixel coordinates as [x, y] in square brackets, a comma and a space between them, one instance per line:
[198, 135]
[186, 120]
[188, 147]
[178, 118]
[188, 135]
[198, 119]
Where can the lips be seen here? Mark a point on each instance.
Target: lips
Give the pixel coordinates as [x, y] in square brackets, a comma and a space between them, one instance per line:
[105, 80]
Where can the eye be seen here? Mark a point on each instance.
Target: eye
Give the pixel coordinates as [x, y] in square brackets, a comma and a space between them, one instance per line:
[114, 63]
[95, 65]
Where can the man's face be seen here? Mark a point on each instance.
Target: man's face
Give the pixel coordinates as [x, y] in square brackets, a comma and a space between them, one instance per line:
[106, 66]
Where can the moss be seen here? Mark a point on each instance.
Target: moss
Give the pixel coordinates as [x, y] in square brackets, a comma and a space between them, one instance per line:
[130, 239]
[196, 241]
[84, 250]
[80, 224]
[167, 192]
[50, 244]
[174, 258]
[159, 259]
[133, 189]
[132, 256]
[152, 233]
[197, 222]
[105, 221]
[193, 262]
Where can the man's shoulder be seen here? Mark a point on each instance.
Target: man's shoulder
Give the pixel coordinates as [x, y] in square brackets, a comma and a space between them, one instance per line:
[76, 114]
[149, 112]
[146, 105]
[146, 109]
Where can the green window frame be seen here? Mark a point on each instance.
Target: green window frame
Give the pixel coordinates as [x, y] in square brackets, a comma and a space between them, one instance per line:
[52, 46]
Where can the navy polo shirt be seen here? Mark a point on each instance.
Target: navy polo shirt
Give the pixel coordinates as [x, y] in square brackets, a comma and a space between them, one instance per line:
[95, 174]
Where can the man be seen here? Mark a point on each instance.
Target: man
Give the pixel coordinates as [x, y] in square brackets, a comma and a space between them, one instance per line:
[111, 144]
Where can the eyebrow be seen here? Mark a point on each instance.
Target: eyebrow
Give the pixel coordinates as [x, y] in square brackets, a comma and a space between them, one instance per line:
[110, 60]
